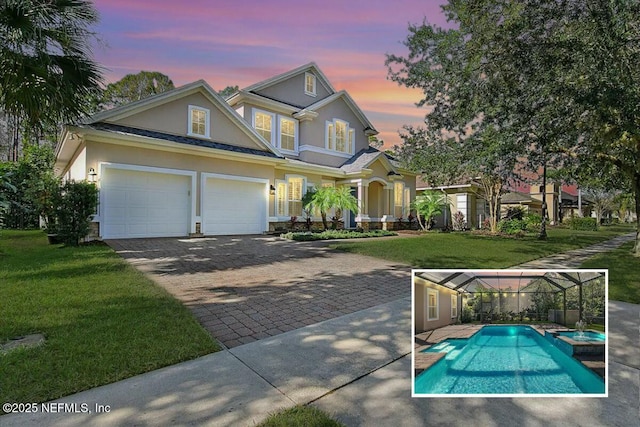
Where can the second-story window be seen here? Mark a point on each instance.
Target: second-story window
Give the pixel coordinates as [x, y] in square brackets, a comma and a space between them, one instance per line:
[263, 124]
[287, 134]
[198, 121]
[310, 84]
[340, 137]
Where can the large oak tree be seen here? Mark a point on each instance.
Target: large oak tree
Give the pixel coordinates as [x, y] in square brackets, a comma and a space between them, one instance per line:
[558, 81]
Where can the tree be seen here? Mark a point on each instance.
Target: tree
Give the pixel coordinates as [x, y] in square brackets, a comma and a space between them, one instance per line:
[428, 205]
[46, 69]
[228, 91]
[603, 201]
[134, 87]
[327, 198]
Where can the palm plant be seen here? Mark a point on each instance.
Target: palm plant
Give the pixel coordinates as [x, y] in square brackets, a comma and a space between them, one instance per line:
[326, 198]
[428, 205]
[46, 70]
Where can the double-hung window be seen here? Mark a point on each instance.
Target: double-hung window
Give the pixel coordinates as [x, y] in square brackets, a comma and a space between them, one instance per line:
[398, 190]
[279, 131]
[432, 304]
[198, 122]
[287, 134]
[289, 194]
[454, 306]
[263, 123]
[339, 137]
[309, 84]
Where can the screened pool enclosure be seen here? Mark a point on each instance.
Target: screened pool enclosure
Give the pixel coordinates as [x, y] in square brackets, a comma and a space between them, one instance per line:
[517, 296]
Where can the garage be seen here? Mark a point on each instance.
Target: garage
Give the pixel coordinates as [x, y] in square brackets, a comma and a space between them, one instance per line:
[233, 205]
[145, 203]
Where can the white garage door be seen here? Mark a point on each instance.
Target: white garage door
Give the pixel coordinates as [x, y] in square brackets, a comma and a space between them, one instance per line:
[232, 206]
[144, 204]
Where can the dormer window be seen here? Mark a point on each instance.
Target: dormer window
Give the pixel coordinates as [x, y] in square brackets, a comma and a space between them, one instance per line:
[198, 122]
[309, 84]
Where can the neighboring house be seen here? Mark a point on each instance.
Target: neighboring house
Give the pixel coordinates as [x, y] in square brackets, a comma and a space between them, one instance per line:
[467, 198]
[188, 162]
[520, 200]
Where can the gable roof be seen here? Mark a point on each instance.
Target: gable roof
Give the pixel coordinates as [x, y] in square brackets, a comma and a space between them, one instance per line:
[518, 197]
[311, 66]
[369, 129]
[200, 86]
[364, 158]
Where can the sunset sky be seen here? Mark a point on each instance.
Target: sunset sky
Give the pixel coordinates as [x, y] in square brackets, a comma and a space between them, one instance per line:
[243, 42]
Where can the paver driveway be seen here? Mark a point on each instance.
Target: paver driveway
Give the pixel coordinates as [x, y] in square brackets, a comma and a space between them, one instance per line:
[245, 288]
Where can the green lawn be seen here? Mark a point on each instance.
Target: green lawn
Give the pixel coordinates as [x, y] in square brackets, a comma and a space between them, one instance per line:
[103, 321]
[306, 416]
[624, 273]
[468, 250]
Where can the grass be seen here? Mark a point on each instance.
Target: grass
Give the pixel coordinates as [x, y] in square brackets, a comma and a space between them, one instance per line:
[468, 250]
[624, 273]
[300, 416]
[103, 321]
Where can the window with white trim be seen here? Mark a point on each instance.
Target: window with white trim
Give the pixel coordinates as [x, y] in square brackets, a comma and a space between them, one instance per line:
[288, 134]
[263, 124]
[198, 122]
[289, 194]
[432, 304]
[398, 191]
[454, 306]
[309, 84]
[339, 136]
[407, 202]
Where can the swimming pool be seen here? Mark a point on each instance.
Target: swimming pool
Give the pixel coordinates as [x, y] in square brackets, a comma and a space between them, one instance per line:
[505, 360]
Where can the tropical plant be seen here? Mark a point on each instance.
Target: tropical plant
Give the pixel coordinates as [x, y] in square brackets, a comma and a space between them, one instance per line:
[342, 200]
[327, 198]
[46, 71]
[308, 207]
[458, 221]
[428, 205]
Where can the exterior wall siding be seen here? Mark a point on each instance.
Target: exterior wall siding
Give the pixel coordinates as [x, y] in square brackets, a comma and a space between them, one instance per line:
[291, 91]
[444, 306]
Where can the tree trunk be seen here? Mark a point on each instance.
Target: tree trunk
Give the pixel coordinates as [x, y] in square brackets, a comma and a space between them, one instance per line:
[543, 223]
[324, 220]
[636, 191]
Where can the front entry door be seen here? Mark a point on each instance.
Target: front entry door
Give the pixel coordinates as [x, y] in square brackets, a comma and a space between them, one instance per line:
[352, 215]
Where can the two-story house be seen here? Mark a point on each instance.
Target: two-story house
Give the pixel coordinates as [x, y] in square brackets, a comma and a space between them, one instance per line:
[188, 162]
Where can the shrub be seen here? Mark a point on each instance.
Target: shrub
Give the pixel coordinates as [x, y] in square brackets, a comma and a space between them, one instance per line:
[335, 234]
[458, 221]
[514, 212]
[512, 226]
[532, 222]
[78, 202]
[585, 224]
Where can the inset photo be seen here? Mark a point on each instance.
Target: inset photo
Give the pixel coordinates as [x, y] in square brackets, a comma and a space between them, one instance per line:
[509, 333]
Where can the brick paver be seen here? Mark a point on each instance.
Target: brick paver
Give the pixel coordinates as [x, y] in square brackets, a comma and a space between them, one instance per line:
[246, 288]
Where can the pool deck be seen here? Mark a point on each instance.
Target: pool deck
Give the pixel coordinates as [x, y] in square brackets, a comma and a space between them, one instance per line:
[424, 340]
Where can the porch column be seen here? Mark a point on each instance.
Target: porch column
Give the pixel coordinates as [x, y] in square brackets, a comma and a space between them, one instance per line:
[388, 220]
[362, 219]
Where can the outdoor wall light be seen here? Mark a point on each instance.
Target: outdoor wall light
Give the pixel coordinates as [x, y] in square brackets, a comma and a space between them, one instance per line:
[272, 190]
[92, 175]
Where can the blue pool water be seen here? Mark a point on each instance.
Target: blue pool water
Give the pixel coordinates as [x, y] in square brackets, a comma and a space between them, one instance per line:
[587, 335]
[505, 360]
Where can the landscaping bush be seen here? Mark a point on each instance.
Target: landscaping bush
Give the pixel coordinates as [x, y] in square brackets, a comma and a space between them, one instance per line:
[532, 222]
[335, 234]
[78, 202]
[584, 224]
[514, 212]
[512, 226]
[458, 221]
